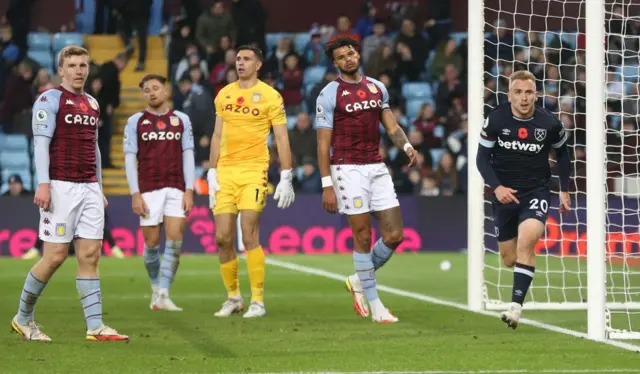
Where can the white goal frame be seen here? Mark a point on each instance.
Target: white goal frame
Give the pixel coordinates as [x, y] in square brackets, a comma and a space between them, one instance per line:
[599, 328]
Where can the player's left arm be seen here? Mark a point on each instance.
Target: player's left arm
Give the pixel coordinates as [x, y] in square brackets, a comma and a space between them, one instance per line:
[188, 163]
[395, 132]
[284, 193]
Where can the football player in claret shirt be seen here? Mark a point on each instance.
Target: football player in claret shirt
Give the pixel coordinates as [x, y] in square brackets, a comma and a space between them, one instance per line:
[355, 180]
[160, 167]
[69, 195]
[513, 158]
[246, 112]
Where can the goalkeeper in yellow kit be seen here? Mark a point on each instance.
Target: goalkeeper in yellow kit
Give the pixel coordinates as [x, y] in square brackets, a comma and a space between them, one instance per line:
[246, 112]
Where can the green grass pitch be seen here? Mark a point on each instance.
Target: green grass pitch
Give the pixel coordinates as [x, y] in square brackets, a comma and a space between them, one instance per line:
[310, 325]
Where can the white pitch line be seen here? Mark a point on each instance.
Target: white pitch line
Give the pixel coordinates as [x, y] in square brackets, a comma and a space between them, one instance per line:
[451, 304]
[518, 371]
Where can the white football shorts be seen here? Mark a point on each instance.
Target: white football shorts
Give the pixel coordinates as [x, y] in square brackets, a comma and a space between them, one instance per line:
[363, 188]
[76, 211]
[165, 202]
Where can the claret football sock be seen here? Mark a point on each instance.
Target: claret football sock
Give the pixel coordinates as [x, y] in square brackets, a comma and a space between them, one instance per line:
[229, 271]
[256, 265]
[152, 263]
[170, 263]
[380, 254]
[367, 275]
[30, 294]
[522, 277]
[91, 299]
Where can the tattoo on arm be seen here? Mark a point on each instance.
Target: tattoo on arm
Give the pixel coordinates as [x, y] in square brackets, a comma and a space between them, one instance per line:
[399, 138]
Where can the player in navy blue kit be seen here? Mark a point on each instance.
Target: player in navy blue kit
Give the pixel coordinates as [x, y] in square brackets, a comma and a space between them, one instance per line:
[513, 158]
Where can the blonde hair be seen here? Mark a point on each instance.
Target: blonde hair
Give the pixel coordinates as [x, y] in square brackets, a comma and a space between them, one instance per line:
[71, 50]
[522, 75]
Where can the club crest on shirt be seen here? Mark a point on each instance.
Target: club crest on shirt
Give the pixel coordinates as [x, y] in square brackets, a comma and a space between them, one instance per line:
[93, 103]
[357, 202]
[540, 134]
[174, 121]
[372, 88]
[256, 98]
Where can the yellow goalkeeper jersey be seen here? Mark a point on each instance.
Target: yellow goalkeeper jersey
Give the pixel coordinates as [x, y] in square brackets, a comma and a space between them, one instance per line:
[247, 118]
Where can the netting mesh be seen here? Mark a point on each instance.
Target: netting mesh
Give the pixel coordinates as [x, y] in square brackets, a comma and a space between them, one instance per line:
[547, 37]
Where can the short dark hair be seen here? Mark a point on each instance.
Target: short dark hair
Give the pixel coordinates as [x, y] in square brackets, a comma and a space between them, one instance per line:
[339, 43]
[150, 77]
[257, 51]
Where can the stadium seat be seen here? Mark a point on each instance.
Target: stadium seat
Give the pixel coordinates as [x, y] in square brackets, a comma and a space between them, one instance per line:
[39, 41]
[292, 121]
[15, 142]
[272, 41]
[417, 90]
[44, 58]
[436, 153]
[458, 37]
[4, 187]
[3, 139]
[630, 73]
[301, 40]
[413, 108]
[299, 172]
[14, 159]
[570, 39]
[314, 74]
[23, 173]
[63, 39]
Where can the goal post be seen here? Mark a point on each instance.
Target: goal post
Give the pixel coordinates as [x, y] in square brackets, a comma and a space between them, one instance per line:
[583, 260]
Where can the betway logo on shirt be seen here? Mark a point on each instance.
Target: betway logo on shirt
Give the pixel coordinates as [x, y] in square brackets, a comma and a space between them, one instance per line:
[520, 146]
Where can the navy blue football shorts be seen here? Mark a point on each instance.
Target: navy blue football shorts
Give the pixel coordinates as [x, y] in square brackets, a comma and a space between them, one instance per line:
[507, 217]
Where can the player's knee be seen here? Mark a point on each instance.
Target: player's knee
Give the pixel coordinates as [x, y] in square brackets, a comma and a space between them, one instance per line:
[224, 242]
[55, 260]
[89, 256]
[393, 238]
[363, 238]
[509, 259]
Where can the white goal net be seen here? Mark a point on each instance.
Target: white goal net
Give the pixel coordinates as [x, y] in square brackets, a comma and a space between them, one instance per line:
[549, 38]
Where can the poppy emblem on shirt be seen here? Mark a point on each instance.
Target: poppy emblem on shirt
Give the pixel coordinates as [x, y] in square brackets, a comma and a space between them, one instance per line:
[84, 107]
[523, 133]
[174, 121]
[372, 88]
[361, 94]
[161, 125]
[240, 100]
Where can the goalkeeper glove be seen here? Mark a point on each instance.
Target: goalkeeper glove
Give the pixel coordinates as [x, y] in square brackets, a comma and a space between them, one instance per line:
[214, 187]
[284, 194]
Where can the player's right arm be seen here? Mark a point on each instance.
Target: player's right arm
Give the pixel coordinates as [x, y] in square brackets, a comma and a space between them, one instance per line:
[214, 154]
[488, 137]
[130, 140]
[43, 122]
[325, 106]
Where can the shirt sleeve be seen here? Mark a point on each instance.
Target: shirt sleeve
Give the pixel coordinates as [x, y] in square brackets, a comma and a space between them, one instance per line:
[325, 106]
[45, 110]
[489, 133]
[187, 133]
[277, 115]
[561, 136]
[130, 137]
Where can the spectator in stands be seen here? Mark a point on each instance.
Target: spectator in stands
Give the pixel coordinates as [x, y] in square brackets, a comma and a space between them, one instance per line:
[383, 61]
[275, 63]
[16, 188]
[19, 17]
[192, 58]
[450, 87]
[446, 175]
[303, 139]
[220, 54]
[428, 187]
[499, 45]
[364, 25]
[395, 95]
[250, 18]
[314, 51]
[18, 100]
[105, 129]
[109, 75]
[412, 49]
[134, 15]
[292, 77]
[42, 82]
[10, 51]
[438, 24]
[181, 38]
[219, 71]
[445, 55]
[310, 181]
[371, 42]
[198, 105]
[213, 25]
[344, 30]
[427, 123]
